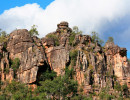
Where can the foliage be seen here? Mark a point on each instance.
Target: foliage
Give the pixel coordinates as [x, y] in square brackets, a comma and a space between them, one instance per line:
[125, 89]
[95, 38]
[48, 75]
[69, 73]
[15, 91]
[74, 32]
[73, 55]
[3, 36]
[4, 47]
[71, 38]
[117, 86]
[33, 31]
[104, 95]
[110, 39]
[15, 64]
[59, 87]
[6, 70]
[81, 97]
[54, 37]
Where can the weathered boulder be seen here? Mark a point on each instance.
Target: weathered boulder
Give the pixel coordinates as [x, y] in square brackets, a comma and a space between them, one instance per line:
[48, 42]
[63, 27]
[82, 39]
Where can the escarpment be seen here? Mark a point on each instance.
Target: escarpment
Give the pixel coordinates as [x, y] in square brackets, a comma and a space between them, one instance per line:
[24, 57]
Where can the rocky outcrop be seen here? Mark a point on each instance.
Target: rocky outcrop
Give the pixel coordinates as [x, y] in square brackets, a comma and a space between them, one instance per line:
[94, 66]
[30, 53]
[58, 57]
[117, 59]
[63, 27]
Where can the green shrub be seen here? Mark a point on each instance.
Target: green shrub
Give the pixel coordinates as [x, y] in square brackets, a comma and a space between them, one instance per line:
[6, 70]
[4, 47]
[48, 75]
[33, 31]
[71, 38]
[3, 36]
[43, 47]
[53, 36]
[69, 73]
[74, 32]
[117, 86]
[81, 97]
[16, 91]
[110, 39]
[73, 55]
[124, 87]
[105, 96]
[95, 37]
[15, 64]
[59, 88]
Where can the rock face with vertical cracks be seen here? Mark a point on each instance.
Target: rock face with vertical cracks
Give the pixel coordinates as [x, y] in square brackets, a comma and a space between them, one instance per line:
[94, 66]
[58, 57]
[117, 58]
[30, 53]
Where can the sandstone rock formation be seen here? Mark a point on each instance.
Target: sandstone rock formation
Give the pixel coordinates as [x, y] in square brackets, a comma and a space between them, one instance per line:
[117, 58]
[21, 45]
[94, 66]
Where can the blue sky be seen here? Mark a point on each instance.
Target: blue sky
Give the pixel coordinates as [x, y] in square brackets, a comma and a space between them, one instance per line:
[107, 17]
[7, 4]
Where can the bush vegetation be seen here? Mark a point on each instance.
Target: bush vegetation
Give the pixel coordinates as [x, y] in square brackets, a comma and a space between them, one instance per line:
[55, 38]
[104, 95]
[95, 38]
[3, 36]
[6, 70]
[15, 64]
[15, 91]
[51, 87]
[117, 86]
[110, 39]
[33, 31]
[75, 31]
[73, 55]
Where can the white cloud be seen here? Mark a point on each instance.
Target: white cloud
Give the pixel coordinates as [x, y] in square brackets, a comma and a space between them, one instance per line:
[89, 15]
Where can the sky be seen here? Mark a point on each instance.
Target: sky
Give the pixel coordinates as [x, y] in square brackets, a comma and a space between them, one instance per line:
[106, 17]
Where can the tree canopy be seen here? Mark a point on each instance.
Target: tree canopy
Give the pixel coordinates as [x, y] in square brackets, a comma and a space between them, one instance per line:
[3, 36]
[95, 38]
[33, 31]
[110, 39]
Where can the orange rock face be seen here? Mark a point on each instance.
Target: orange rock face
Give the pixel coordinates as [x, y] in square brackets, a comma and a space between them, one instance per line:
[116, 57]
[58, 57]
[95, 67]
